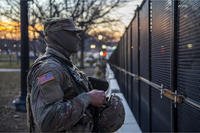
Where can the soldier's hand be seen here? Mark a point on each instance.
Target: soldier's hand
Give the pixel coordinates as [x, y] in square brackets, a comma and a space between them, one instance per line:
[98, 97]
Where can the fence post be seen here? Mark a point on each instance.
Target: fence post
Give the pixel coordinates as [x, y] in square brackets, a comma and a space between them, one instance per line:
[174, 43]
[20, 102]
[139, 95]
[150, 30]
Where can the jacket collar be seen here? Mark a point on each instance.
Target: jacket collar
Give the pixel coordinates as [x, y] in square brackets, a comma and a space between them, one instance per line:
[57, 53]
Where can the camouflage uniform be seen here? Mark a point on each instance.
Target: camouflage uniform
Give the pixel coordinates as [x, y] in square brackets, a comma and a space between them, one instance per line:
[57, 97]
[57, 103]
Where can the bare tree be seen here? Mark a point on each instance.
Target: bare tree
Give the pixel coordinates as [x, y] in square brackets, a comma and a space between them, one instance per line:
[85, 13]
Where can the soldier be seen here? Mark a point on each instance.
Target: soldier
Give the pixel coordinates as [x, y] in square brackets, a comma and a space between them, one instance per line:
[60, 97]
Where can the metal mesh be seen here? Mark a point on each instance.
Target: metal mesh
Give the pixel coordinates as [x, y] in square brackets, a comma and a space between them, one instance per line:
[189, 63]
[156, 57]
[135, 89]
[125, 64]
[129, 64]
[161, 65]
[144, 67]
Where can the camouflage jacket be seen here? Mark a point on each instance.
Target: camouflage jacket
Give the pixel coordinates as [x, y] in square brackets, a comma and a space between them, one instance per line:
[57, 102]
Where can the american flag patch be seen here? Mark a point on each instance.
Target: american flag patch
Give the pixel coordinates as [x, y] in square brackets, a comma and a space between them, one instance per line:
[45, 78]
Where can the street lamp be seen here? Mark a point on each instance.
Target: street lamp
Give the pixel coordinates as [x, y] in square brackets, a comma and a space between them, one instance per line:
[92, 46]
[103, 46]
[100, 37]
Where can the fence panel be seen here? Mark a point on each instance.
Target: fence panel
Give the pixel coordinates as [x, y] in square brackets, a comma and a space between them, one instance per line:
[125, 63]
[161, 65]
[114, 59]
[144, 66]
[135, 89]
[122, 65]
[189, 64]
[156, 56]
[121, 62]
[129, 64]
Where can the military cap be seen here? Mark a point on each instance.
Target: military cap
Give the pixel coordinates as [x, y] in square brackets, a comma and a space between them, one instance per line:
[57, 24]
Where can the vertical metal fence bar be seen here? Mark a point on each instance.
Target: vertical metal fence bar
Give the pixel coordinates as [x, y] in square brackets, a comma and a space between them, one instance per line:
[125, 64]
[120, 60]
[150, 44]
[128, 66]
[161, 63]
[121, 64]
[144, 64]
[135, 89]
[131, 66]
[139, 99]
[174, 51]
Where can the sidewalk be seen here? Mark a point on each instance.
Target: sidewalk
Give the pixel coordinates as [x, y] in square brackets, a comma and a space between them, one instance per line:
[130, 125]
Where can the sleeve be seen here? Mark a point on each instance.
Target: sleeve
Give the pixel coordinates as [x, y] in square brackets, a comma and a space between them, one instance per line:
[50, 111]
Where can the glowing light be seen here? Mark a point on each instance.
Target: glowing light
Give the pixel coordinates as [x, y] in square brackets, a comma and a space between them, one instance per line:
[103, 53]
[100, 37]
[103, 46]
[92, 46]
[114, 47]
[189, 45]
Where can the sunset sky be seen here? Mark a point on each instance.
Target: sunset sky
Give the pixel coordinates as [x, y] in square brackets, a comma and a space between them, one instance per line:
[124, 14]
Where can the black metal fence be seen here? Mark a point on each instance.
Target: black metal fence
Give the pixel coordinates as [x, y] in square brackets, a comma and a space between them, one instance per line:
[157, 65]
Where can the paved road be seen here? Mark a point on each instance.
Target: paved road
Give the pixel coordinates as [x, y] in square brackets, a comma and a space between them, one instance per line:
[9, 70]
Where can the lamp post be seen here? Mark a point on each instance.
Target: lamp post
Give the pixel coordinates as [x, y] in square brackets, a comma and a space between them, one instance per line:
[20, 102]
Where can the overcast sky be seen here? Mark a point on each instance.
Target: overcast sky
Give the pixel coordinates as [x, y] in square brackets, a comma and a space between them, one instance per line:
[126, 13]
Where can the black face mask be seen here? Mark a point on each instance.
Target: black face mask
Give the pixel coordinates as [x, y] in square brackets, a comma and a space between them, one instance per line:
[64, 41]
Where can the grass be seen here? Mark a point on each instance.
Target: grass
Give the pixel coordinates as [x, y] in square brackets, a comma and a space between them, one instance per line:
[11, 121]
[9, 61]
[9, 65]
[7, 56]
[9, 82]
[12, 64]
